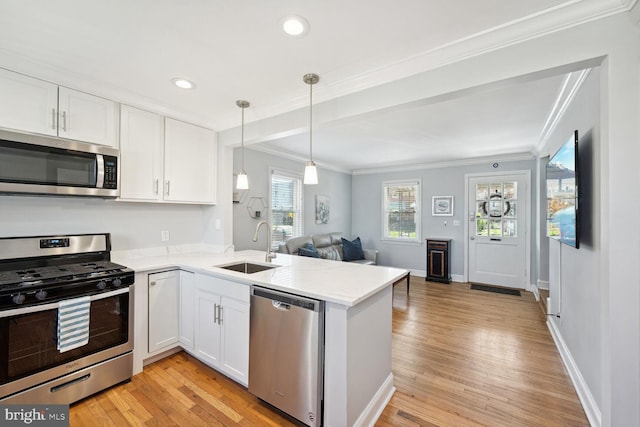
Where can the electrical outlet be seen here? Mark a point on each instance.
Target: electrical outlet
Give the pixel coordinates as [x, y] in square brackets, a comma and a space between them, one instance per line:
[164, 235]
[218, 224]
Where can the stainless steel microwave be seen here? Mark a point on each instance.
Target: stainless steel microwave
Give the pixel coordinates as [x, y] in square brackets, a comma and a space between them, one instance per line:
[35, 164]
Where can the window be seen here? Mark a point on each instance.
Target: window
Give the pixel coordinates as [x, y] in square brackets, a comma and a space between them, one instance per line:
[286, 206]
[401, 211]
[496, 209]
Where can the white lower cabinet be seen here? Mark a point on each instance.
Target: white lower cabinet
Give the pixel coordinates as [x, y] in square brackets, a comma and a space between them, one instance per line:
[164, 294]
[187, 313]
[222, 326]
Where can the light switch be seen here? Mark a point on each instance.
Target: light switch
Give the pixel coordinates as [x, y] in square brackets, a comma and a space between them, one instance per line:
[456, 223]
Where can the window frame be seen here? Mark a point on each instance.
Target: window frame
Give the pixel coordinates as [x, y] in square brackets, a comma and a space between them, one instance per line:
[286, 174]
[417, 183]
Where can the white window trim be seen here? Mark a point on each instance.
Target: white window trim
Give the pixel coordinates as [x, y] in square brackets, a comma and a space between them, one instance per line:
[290, 174]
[403, 240]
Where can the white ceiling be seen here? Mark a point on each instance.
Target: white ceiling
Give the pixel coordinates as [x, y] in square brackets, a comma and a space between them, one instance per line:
[128, 50]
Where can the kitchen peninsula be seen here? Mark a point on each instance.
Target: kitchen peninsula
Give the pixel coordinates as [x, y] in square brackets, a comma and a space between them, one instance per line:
[358, 381]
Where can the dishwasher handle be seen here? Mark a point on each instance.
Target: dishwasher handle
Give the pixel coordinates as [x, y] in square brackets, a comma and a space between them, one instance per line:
[284, 301]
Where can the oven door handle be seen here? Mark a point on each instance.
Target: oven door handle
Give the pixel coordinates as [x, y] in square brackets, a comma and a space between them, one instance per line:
[54, 305]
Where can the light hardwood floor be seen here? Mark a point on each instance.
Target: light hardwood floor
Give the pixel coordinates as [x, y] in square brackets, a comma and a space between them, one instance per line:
[460, 358]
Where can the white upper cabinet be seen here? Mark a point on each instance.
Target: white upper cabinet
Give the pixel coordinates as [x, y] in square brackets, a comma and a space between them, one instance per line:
[85, 117]
[165, 160]
[33, 105]
[189, 163]
[141, 155]
[28, 104]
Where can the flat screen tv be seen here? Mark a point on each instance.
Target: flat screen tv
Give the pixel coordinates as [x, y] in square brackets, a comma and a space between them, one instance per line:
[562, 194]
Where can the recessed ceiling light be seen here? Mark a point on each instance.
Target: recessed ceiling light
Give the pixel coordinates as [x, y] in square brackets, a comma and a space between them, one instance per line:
[294, 25]
[183, 83]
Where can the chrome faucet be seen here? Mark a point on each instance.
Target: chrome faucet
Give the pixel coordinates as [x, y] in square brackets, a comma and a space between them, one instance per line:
[270, 254]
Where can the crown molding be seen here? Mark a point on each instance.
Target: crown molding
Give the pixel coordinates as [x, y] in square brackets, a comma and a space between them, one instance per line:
[445, 164]
[564, 16]
[290, 156]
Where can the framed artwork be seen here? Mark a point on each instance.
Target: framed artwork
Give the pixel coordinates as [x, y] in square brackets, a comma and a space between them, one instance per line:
[322, 209]
[442, 206]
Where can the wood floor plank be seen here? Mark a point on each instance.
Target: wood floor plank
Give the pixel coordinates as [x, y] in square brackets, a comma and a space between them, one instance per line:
[460, 357]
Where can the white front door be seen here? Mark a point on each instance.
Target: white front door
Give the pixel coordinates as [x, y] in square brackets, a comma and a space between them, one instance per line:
[497, 229]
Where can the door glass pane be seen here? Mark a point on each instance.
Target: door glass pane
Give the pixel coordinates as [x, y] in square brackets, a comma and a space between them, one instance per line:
[510, 190]
[495, 228]
[496, 188]
[482, 191]
[495, 208]
[509, 228]
[510, 209]
[480, 210]
[481, 227]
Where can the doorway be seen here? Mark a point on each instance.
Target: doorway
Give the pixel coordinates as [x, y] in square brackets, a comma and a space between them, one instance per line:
[497, 232]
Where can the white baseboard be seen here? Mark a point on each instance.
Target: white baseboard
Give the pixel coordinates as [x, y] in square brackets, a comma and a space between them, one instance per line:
[542, 284]
[376, 406]
[584, 394]
[536, 292]
[458, 278]
[418, 273]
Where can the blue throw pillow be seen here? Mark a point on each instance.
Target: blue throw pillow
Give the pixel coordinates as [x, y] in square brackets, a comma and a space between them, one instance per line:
[308, 250]
[352, 251]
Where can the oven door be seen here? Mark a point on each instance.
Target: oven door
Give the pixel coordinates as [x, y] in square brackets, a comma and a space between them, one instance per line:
[28, 340]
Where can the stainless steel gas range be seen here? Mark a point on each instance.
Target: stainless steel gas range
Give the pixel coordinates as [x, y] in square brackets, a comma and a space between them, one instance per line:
[66, 318]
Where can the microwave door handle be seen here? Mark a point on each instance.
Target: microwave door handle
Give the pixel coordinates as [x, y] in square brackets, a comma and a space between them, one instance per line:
[99, 171]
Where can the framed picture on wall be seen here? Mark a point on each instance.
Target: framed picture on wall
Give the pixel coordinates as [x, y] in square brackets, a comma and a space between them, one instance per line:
[442, 206]
[322, 209]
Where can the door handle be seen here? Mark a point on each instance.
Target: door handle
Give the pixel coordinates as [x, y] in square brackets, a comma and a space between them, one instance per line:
[472, 238]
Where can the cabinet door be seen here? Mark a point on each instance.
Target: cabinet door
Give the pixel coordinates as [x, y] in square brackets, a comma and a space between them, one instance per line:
[189, 163]
[141, 142]
[88, 118]
[163, 310]
[207, 328]
[28, 104]
[187, 303]
[234, 356]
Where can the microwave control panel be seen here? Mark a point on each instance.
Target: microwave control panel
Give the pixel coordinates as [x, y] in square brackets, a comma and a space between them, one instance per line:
[110, 172]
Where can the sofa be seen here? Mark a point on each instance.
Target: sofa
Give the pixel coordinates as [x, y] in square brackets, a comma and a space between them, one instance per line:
[328, 246]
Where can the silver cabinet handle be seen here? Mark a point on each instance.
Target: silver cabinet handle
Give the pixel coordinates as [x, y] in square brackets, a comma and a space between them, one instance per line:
[168, 185]
[64, 121]
[220, 315]
[155, 187]
[54, 125]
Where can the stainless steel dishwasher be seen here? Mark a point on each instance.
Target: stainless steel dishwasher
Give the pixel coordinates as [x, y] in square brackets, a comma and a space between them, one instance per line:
[286, 353]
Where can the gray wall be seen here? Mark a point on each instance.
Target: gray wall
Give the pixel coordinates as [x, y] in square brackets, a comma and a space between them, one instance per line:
[257, 164]
[445, 181]
[574, 274]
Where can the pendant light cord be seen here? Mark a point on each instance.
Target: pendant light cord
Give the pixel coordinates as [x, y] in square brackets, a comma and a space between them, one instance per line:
[311, 122]
[242, 139]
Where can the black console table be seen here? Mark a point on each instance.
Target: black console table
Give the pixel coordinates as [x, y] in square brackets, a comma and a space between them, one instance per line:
[438, 260]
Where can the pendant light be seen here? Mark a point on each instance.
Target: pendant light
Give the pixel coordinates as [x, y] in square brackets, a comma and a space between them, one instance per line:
[310, 170]
[243, 181]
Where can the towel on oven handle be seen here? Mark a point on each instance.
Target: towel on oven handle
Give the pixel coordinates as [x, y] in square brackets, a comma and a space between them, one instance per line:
[73, 323]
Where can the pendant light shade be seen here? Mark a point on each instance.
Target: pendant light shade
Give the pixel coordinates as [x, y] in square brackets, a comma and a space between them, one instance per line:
[310, 170]
[243, 182]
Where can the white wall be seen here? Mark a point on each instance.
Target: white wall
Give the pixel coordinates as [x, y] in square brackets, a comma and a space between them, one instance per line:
[132, 225]
[574, 286]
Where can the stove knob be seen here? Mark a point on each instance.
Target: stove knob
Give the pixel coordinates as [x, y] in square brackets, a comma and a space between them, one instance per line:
[117, 282]
[41, 294]
[101, 284]
[19, 299]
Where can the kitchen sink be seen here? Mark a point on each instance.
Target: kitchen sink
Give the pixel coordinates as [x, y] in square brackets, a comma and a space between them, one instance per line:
[247, 267]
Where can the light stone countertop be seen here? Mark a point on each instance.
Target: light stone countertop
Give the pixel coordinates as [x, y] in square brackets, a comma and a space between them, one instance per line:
[338, 282]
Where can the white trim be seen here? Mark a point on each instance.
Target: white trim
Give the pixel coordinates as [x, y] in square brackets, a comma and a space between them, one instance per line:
[445, 164]
[589, 403]
[458, 278]
[376, 405]
[526, 174]
[543, 284]
[418, 211]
